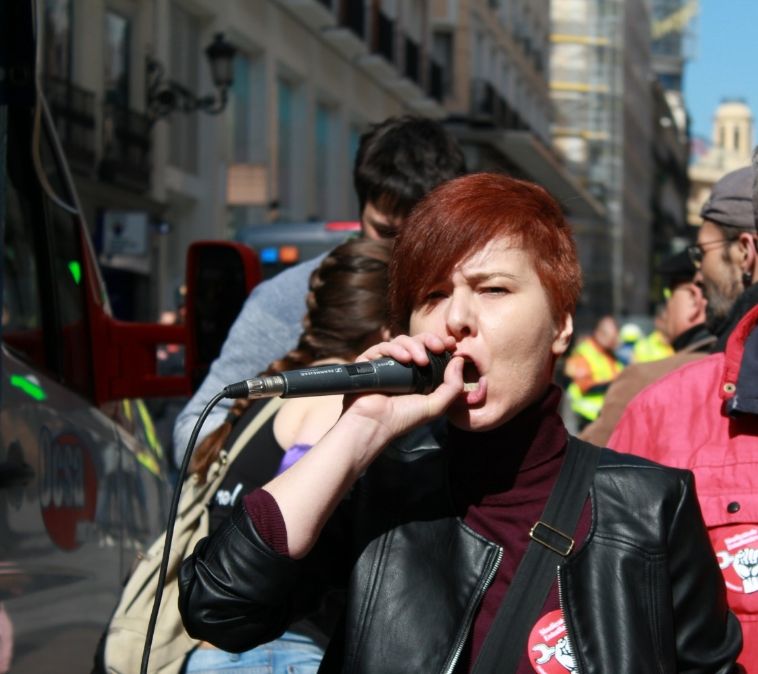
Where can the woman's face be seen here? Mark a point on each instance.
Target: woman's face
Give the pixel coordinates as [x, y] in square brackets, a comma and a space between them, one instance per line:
[495, 307]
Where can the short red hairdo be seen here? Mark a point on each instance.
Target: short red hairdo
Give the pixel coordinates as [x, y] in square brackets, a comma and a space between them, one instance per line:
[461, 217]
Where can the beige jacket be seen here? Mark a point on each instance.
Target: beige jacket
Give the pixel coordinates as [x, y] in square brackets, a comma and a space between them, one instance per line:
[629, 383]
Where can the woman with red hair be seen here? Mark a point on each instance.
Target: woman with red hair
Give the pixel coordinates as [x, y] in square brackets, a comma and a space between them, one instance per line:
[434, 511]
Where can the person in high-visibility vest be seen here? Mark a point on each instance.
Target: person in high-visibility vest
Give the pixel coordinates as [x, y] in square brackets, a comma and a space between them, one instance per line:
[654, 346]
[657, 344]
[592, 366]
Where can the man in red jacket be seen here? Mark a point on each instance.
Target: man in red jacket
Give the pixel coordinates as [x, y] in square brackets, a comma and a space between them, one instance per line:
[704, 416]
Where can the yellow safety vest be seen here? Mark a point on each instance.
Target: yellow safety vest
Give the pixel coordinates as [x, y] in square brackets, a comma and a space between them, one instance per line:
[603, 368]
[652, 347]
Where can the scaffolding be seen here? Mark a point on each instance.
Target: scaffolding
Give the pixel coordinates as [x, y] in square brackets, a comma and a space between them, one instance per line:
[673, 39]
[586, 87]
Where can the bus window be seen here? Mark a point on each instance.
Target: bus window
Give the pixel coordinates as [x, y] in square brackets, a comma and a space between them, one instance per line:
[22, 319]
[68, 288]
[43, 277]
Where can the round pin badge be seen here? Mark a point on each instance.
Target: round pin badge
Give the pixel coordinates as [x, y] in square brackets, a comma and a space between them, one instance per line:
[737, 551]
[549, 647]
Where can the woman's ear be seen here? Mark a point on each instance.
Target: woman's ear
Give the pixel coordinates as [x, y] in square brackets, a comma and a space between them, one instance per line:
[563, 335]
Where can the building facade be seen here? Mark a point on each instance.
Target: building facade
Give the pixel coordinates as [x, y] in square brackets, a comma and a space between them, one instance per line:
[670, 187]
[554, 91]
[309, 77]
[673, 39]
[600, 86]
[730, 148]
[496, 59]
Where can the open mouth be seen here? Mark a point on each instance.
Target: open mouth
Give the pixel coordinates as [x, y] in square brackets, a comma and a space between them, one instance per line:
[470, 376]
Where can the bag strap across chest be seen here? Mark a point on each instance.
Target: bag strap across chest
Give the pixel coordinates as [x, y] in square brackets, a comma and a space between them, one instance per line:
[551, 542]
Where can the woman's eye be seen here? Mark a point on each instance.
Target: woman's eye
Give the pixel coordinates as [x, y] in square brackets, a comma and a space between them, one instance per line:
[434, 295]
[494, 290]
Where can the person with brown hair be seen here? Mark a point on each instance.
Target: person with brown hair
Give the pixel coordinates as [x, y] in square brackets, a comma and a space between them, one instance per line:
[435, 512]
[346, 312]
[397, 162]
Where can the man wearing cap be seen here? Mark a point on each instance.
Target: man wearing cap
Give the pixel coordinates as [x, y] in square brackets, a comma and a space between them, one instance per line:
[683, 325]
[704, 416]
[725, 253]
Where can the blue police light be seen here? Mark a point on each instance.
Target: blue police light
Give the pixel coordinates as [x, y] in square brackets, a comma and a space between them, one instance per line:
[269, 255]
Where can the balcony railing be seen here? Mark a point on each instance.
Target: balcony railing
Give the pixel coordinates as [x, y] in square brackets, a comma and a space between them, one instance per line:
[126, 148]
[412, 68]
[384, 36]
[73, 110]
[507, 117]
[353, 16]
[488, 107]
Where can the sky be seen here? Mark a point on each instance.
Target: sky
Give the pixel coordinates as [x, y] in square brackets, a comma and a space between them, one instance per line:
[724, 61]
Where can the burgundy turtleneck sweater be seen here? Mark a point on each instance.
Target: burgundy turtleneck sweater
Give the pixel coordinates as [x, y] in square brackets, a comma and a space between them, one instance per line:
[501, 481]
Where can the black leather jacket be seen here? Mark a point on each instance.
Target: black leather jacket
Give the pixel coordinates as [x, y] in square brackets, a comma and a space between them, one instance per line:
[644, 593]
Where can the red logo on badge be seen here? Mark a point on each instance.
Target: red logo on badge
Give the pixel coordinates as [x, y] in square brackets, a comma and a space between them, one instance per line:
[737, 552]
[549, 647]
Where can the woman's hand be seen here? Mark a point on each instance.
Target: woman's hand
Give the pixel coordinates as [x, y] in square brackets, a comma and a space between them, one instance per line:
[393, 415]
[308, 492]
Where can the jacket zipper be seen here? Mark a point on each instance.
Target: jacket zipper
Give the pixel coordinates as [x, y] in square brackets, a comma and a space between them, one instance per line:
[470, 615]
[562, 606]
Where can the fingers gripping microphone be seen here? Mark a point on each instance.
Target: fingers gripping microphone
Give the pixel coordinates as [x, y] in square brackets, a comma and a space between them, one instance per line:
[385, 375]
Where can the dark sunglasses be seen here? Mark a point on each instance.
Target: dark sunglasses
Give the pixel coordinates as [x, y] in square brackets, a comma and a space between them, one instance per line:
[697, 251]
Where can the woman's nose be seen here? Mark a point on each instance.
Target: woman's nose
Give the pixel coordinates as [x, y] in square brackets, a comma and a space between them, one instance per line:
[461, 321]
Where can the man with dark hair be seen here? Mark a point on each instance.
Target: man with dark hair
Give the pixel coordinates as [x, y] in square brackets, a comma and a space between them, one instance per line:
[397, 163]
[704, 416]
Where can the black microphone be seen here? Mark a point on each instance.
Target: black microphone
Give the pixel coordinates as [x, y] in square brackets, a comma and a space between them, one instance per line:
[385, 375]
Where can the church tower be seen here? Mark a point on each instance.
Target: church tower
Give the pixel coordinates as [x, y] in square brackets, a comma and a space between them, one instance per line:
[733, 129]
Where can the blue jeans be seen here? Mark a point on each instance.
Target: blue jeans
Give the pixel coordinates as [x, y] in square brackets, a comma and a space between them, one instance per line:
[289, 654]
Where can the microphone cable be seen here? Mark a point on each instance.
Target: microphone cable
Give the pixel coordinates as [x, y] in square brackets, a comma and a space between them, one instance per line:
[434, 373]
[163, 570]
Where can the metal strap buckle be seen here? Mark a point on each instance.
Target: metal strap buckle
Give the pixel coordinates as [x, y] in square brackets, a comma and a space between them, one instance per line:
[552, 538]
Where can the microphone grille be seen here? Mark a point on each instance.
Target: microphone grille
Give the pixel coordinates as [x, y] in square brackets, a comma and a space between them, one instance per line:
[435, 371]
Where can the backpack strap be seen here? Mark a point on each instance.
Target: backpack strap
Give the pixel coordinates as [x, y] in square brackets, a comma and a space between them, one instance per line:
[217, 471]
[195, 496]
[130, 632]
[551, 542]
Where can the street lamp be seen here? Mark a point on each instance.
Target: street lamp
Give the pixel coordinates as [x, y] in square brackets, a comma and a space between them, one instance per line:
[167, 96]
